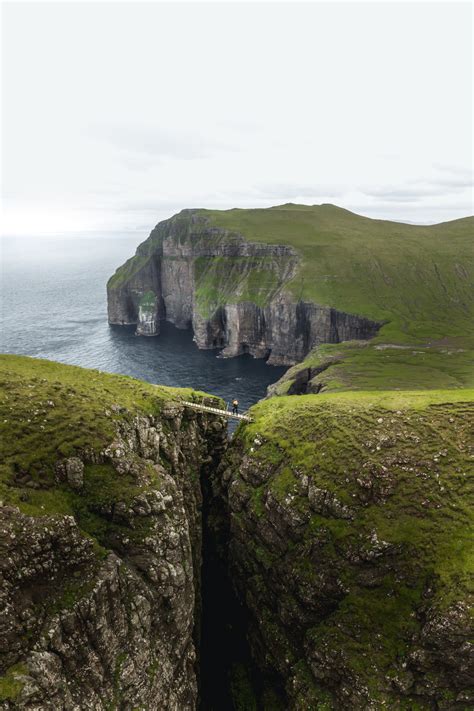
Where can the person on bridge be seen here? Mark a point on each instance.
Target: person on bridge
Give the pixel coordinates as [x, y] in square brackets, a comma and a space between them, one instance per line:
[235, 406]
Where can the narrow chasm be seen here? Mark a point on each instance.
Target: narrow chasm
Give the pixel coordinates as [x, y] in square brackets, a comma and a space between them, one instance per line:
[229, 678]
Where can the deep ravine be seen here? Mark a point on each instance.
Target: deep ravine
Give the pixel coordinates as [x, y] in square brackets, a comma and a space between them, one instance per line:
[143, 555]
[222, 644]
[229, 678]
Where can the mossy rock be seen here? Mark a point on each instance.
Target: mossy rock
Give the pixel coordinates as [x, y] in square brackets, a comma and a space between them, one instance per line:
[354, 545]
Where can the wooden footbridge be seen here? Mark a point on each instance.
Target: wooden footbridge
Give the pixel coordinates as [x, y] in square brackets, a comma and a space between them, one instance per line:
[216, 411]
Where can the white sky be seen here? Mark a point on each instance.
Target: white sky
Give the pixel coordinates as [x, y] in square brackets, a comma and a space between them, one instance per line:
[117, 115]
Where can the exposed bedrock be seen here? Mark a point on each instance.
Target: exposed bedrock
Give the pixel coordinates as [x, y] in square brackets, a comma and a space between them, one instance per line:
[116, 625]
[333, 526]
[284, 331]
[318, 560]
[229, 291]
[124, 303]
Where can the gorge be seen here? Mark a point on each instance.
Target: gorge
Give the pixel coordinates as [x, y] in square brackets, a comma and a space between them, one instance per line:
[236, 356]
[333, 569]
[317, 559]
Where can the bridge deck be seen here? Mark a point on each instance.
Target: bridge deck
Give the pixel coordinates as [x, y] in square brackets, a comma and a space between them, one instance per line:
[216, 411]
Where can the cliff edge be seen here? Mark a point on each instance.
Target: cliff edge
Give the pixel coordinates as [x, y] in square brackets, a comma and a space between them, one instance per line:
[230, 291]
[100, 539]
[279, 282]
[347, 524]
[320, 560]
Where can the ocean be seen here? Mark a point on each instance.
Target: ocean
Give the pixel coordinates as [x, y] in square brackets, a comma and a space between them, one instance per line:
[54, 306]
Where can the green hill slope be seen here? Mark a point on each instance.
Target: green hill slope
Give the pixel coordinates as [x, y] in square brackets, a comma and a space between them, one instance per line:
[351, 541]
[50, 410]
[419, 280]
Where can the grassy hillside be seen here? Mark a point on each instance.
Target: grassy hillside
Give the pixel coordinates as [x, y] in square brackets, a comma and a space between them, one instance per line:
[329, 436]
[419, 279]
[374, 365]
[370, 495]
[49, 411]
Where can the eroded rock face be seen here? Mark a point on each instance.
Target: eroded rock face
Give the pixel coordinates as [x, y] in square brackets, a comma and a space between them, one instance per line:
[204, 278]
[111, 621]
[336, 521]
[341, 522]
[72, 471]
[148, 321]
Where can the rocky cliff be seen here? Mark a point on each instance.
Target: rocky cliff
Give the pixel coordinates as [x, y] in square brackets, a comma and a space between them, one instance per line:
[100, 540]
[346, 520]
[230, 291]
[321, 560]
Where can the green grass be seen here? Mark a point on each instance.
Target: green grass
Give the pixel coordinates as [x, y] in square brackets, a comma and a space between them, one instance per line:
[223, 279]
[49, 411]
[148, 301]
[361, 365]
[416, 280]
[331, 436]
[11, 682]
[416, 450]
[419, 278]
[128, 270]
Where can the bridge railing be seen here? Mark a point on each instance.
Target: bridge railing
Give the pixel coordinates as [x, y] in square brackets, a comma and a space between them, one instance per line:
[216, 411]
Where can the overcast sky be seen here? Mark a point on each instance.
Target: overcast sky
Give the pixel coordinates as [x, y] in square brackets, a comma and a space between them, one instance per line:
[117, 115]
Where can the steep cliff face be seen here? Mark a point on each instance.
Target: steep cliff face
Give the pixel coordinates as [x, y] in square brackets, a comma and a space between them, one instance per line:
[230, 291]
[346, 520]
[337, 549]
[100, 539]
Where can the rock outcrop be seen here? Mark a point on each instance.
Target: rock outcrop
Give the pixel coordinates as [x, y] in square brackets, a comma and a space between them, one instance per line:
[230, 291]
[101, 550]
[331, 534]
[346, 526]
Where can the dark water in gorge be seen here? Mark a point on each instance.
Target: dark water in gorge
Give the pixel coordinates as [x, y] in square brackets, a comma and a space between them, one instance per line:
[53, 305]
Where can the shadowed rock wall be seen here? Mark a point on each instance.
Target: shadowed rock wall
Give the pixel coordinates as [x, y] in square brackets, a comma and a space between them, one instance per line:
[336, 518]
[115, 625]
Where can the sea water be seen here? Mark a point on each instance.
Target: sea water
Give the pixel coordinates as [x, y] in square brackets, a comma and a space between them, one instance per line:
[54, 306]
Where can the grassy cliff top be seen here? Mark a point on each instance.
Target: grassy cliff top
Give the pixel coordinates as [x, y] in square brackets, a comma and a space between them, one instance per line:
[421, 441]
[49, 411]
[418, 278]
[402, 464]
[375, 365]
